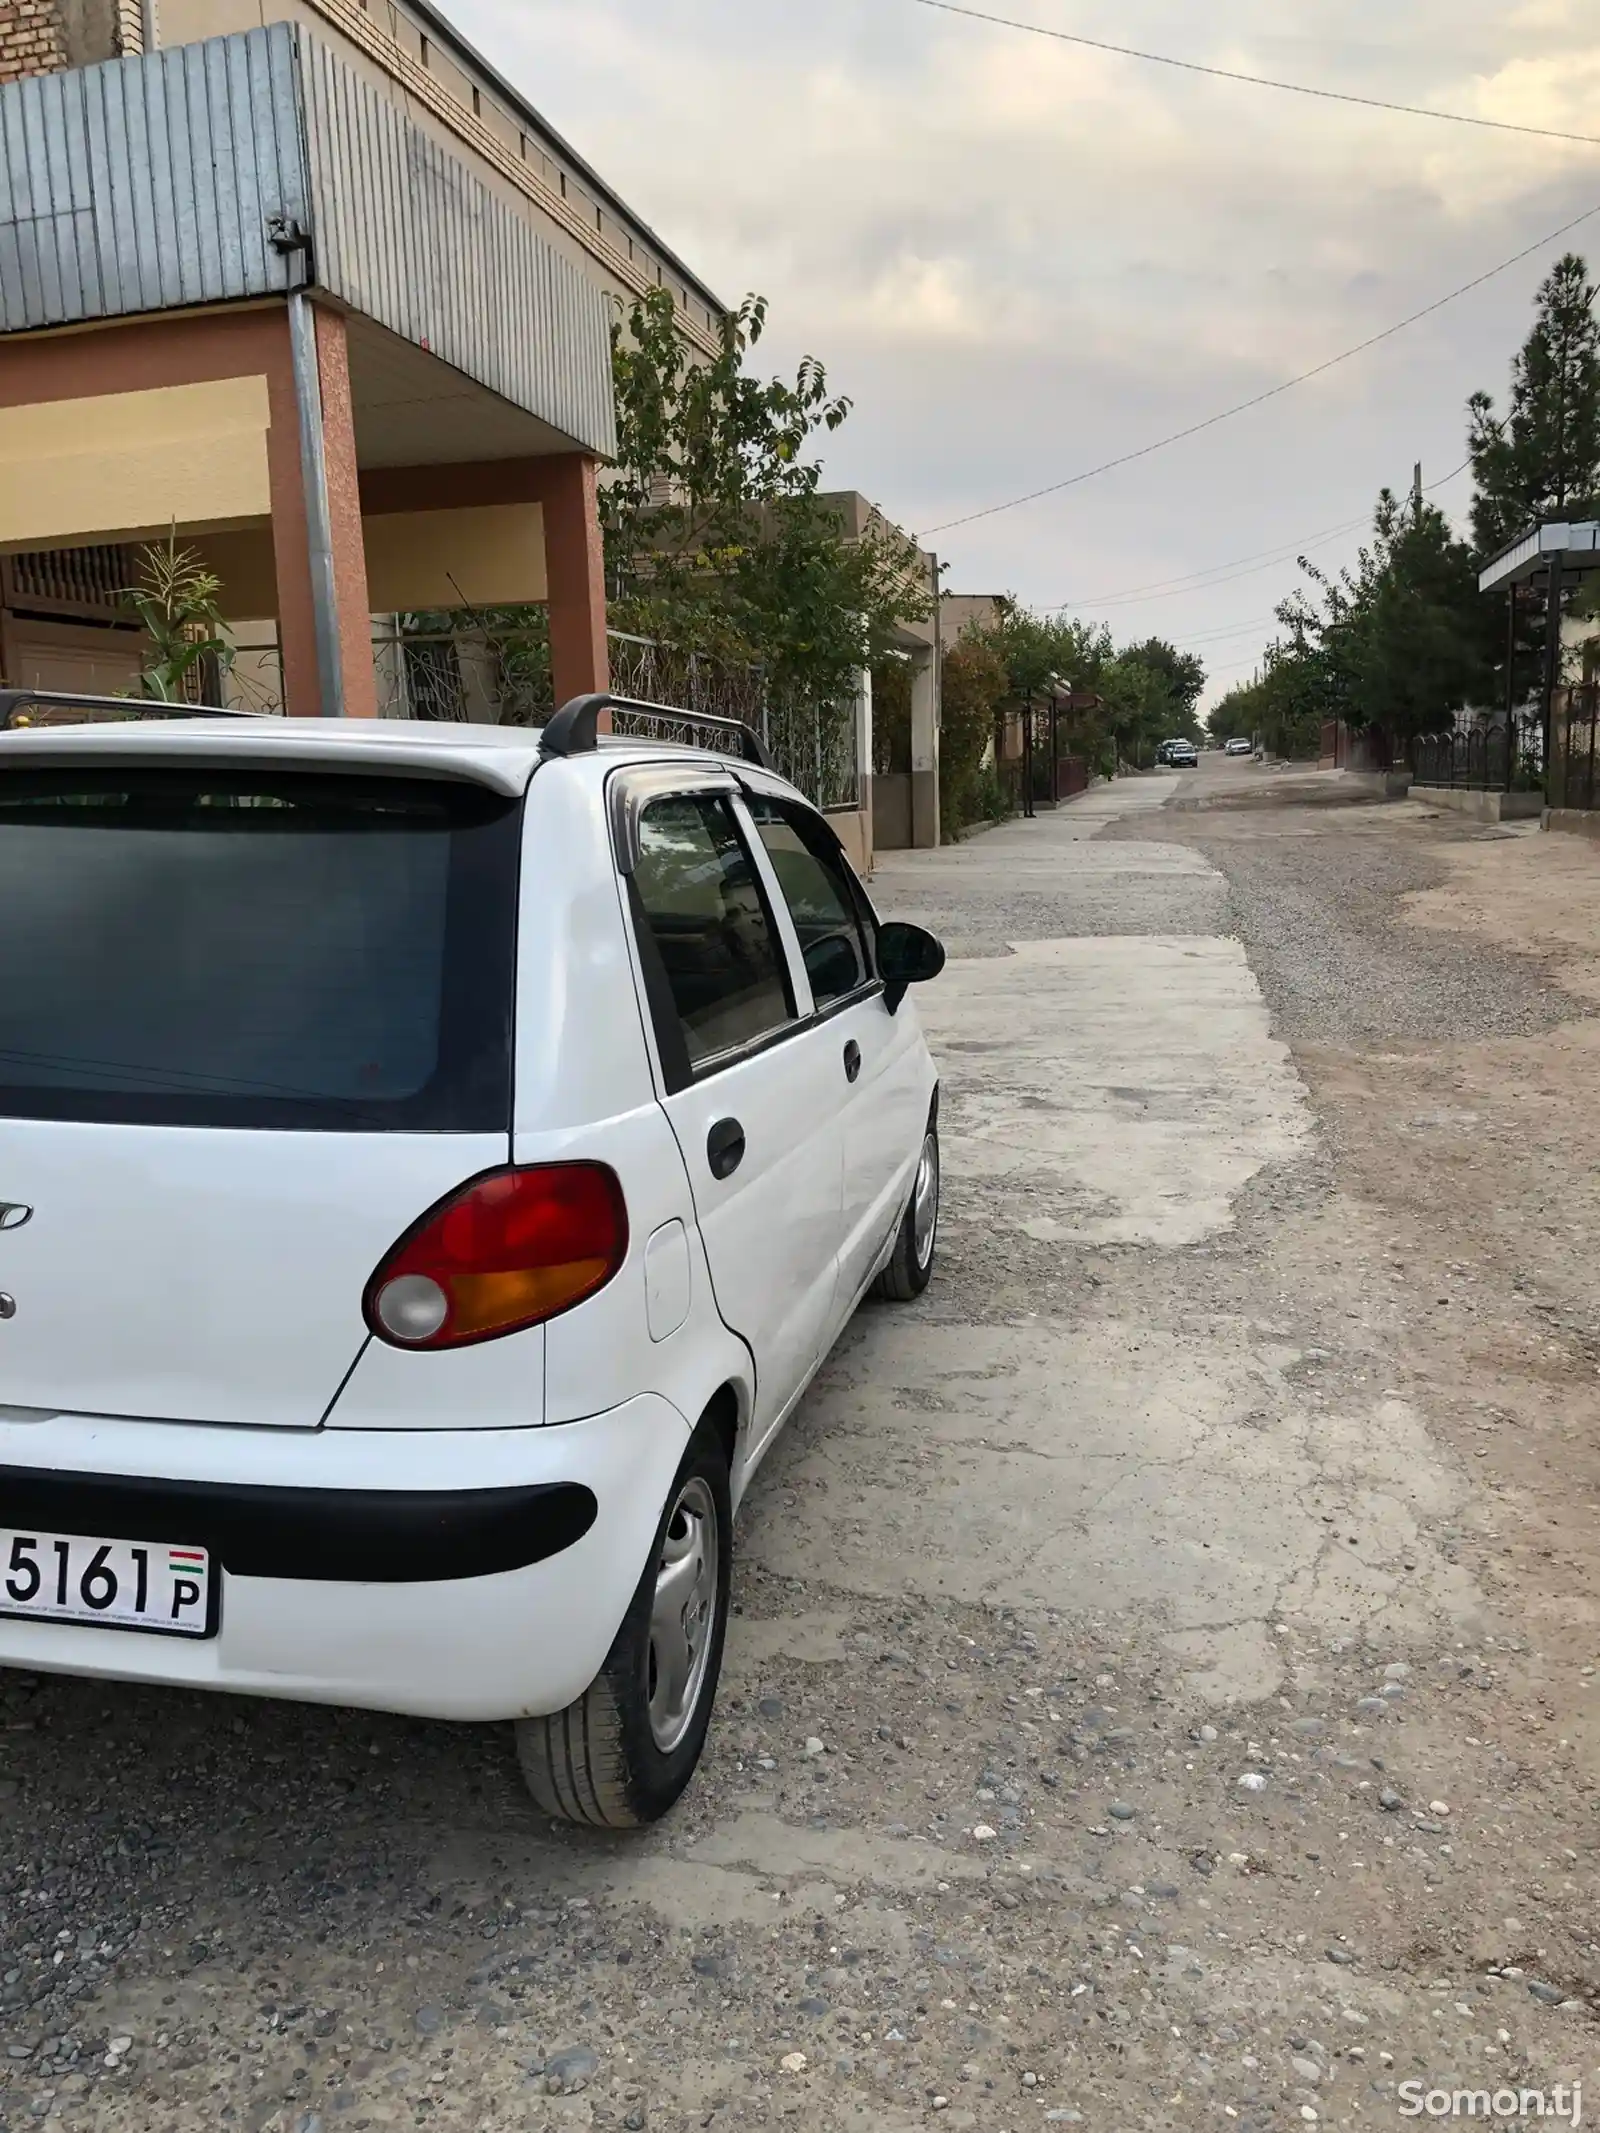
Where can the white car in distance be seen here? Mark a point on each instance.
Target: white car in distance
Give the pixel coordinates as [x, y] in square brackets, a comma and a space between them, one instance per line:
[435, 1160]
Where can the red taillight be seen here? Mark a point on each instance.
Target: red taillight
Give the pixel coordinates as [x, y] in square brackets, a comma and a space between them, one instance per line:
[504, 1252]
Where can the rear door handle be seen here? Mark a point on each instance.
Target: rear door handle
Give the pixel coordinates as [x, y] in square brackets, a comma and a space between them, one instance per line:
[852, 1060]
[725, 1147]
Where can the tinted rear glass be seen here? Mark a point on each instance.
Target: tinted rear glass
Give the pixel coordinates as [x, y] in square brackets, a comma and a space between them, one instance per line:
[226, 948]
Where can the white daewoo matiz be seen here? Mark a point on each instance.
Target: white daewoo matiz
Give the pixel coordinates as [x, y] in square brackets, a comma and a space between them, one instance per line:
[434, 1160]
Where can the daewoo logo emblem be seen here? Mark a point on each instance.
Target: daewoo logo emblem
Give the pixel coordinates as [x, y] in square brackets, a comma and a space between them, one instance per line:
[13, 1214]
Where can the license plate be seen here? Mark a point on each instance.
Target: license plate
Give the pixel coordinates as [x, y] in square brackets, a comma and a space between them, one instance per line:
[116, 1584]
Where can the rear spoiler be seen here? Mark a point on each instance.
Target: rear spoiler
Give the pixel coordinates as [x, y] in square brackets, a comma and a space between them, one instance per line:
[21, 709]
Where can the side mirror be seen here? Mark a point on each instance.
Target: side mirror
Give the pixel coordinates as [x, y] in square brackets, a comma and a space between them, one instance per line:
[907, 955]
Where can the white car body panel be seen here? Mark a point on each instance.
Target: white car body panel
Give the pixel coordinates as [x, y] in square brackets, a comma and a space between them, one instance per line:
[506, 1646]
[191, 1274]
[885, 1114]
[501, 757]
[210, 1282]
[771, 1231]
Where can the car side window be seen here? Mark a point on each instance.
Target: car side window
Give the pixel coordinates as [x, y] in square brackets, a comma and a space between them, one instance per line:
[698, 896]
[822, 901]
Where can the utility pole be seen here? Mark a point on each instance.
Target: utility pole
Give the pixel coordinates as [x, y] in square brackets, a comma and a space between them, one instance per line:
[1416, 493]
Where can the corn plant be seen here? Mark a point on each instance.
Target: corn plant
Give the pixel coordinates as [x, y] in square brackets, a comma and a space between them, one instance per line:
[174, 600]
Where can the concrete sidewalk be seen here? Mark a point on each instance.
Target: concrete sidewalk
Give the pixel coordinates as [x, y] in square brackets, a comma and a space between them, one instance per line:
[1112, 1092]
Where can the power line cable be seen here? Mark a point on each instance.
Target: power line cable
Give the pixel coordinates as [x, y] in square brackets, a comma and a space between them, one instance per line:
[1250, 659]
[1225, 633]
[1259, 81]
[1236, 629]
[1264, 559]
[1206, 580]
[1273, 392]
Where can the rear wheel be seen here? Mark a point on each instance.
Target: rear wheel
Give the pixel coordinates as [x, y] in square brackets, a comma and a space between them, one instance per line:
[621, 1755]
[911, 1267]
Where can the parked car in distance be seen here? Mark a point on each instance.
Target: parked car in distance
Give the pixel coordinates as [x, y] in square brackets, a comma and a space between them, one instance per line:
[436, 1160]
[1238, 745]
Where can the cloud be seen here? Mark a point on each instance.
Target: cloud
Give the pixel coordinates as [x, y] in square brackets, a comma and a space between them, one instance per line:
[1021, 258]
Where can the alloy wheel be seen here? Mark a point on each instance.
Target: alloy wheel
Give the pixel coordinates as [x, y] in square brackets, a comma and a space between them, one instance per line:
[925, 1203]
[684, 1613]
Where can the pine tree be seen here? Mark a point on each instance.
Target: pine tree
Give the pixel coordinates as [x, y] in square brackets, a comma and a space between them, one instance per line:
[1399, 642]
[1542, 457]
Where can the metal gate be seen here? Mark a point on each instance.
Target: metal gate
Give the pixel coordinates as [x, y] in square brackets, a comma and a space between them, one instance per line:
[1491, 755]
[1575, 729]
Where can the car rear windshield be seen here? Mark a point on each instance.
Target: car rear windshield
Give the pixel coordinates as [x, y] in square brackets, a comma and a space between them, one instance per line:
[210, 947]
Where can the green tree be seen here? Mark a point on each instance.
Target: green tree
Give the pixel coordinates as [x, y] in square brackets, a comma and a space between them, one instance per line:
[716, 538]
[1185, 676]
[1542, 456]
[1281, 708]
[1541, 459]
[1038, 651]
[1151, 692]
[973, 687]
[1401, 642]
[1141, 709]
[1043, 654]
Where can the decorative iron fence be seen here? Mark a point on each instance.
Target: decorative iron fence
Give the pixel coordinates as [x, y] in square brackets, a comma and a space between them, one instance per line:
[1490, 756]
[812, 740]
[1575, 729]
[495, 668]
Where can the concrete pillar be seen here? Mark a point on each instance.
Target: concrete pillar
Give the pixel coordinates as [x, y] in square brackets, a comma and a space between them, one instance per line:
[925, 726]
[291, 545]
[563, 484]
[925, 748]
[863, 722]
[344, 514]
[146, 355]
[575, 564]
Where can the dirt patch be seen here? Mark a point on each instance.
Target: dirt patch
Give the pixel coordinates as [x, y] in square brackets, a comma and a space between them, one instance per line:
[1476, 1153]
[1537, 895]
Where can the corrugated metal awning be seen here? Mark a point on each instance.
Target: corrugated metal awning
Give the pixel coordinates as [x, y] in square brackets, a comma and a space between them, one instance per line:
[250, 165]
[1576, 548]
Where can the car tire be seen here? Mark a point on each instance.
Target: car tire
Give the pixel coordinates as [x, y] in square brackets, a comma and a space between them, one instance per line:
[622, 1755]
[910, 1267]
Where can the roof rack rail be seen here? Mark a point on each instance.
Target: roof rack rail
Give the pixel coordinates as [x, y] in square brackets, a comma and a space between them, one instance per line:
[96, 710]
[575, 728]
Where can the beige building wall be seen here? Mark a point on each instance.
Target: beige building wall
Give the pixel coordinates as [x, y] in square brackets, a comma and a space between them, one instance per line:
[959, 612]
[485, 555]
[124, 465]
[489, 555]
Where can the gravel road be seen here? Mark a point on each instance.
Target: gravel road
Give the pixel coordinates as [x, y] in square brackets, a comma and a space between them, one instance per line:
[1159, 1690]
[1317, 896]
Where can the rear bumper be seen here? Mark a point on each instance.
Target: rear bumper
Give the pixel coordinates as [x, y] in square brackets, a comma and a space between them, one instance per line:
[463, 1574]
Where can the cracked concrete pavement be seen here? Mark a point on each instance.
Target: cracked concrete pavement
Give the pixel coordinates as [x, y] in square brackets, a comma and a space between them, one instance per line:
[1117, 1728]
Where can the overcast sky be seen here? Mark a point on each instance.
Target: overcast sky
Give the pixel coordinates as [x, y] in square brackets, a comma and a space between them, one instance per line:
[1020, 258]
